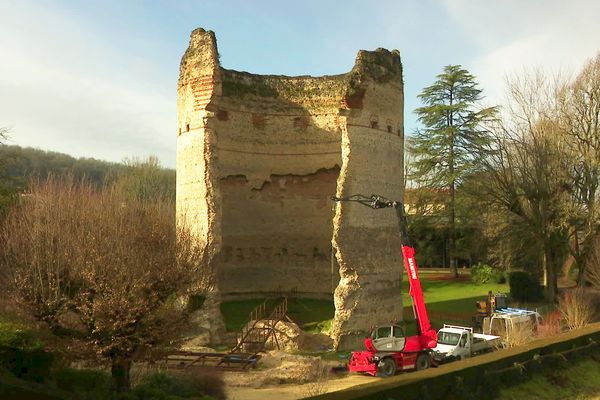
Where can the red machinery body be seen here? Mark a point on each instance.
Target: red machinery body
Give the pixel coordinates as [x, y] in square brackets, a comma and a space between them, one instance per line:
[414, 352]
[363, 361]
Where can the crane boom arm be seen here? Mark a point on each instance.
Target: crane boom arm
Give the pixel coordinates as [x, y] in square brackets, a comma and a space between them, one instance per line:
[426, 333]
[412, 271]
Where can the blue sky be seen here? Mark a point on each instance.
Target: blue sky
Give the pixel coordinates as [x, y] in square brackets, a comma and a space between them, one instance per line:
[99, 78]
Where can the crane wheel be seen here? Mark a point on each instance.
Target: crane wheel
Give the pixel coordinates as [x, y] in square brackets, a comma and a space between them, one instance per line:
[386, 368]
[423, 362]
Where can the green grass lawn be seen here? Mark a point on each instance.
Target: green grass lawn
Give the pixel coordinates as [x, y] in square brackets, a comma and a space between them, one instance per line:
[452, 295]
[580, 380]
[312, 315]
[236, 313]
[15, 334]
[450, 299]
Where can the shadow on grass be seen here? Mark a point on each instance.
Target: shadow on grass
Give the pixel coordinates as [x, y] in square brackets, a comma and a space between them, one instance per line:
[312, 315]
[237, 312]
[456, 312]
[448, 301]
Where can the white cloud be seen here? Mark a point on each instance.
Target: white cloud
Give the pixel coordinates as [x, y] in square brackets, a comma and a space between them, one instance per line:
[64, 89]
[65, 86]
[557, 36]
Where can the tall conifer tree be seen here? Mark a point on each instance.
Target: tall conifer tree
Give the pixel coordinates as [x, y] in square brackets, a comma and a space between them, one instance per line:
[446, 147]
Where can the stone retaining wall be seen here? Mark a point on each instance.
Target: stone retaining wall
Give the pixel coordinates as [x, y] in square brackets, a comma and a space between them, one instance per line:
[479, 377]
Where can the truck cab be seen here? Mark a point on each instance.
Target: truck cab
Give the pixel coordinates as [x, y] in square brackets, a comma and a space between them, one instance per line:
[454, 343]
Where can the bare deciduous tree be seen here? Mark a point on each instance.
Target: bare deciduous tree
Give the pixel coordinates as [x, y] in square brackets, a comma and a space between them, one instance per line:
[7, 190]
[3, 134]
[592, 272]
[146, 179]
[527, 171]
[579, 105]
[114, 265]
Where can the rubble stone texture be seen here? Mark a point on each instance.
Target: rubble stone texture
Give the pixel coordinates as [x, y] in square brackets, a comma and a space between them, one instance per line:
[258, 158]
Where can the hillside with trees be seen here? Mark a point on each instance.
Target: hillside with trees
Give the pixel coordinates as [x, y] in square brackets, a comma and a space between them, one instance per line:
[20, 165]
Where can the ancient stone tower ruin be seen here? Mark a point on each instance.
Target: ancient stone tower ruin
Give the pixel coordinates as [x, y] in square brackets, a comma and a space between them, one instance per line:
[258, 158]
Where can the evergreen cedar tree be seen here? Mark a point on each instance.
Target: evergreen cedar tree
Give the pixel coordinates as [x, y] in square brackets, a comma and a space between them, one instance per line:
[447, 145]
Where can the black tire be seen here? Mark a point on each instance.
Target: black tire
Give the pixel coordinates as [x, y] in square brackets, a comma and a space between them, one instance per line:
[386, 368]
[423, 362]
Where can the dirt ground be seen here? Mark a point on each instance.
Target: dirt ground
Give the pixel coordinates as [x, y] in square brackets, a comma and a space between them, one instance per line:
[292, 392]
[291, 373]
[287, 377]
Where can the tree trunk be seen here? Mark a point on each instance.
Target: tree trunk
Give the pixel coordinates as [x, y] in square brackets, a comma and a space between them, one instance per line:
[452, 227]
[580, 259]
[452, 234]
[551, 280]
[581, 274]
[121, 366]
[451, 257]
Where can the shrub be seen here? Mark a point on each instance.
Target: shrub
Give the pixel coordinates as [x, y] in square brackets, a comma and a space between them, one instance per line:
[319, 382]
[18, 336]
[203, 384]
[577, 308]
[519, 335]
[524, 287]
[483, 273]
[195, 302]
[29, 364]
[22, 354]
[84, 381]
[551, 325]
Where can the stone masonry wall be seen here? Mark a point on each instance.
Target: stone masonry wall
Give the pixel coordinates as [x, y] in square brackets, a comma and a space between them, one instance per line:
[279, 158]
[367, 241]
[258, 159]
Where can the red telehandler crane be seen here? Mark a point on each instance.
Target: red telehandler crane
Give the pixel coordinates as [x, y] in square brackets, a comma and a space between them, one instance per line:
[387, 348]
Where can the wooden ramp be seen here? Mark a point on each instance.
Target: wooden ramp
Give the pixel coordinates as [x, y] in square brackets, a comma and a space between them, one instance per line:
[261, 327]
[224, 361]
[252, 340]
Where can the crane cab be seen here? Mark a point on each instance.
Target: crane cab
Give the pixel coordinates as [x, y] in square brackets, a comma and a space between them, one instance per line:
[387, 338]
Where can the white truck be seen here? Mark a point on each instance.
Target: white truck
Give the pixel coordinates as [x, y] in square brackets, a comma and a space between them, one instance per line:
[459, 342]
